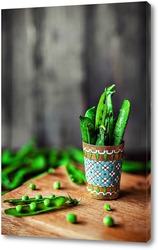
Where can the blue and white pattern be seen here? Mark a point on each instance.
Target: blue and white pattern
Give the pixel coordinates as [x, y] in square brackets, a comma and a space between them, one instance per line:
[103, 173]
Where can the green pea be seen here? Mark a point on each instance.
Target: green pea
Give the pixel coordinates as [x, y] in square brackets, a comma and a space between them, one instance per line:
[19, 208]
[108, 221]
[38, 196]
[25, 197]
[51, 196]
[33, 206]
[56, 184]
[47, 202]
[107, 207]
[32, 186]
[71, 217]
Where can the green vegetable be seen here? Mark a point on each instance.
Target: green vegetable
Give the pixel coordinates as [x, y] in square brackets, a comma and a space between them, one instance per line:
[37, 199]
[107, 207]
[90, 113]
[71, 217]
[100, 111]
[52, 196]
[38, 196]
[41, 208]
[121, 123]
[25, 197]
[47, 202]
[108, 221]
[18, 208]
[87, 130]
[56, 185]
[33, 206]
[32, 186]
[75, 154]
[77, 176]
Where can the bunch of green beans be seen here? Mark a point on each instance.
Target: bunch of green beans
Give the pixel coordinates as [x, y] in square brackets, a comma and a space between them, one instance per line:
[99, 126]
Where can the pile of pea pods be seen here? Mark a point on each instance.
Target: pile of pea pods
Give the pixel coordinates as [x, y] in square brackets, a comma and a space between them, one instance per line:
[30, 161]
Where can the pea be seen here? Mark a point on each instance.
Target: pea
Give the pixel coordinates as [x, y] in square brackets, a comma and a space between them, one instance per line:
[108, 221]
[71, 217]
[33, 206]
[32, 186]
[19, 208]
[25, 197]
[51, 196]
[47, 202]
[38, 196]
[56, 184]
[107, 207]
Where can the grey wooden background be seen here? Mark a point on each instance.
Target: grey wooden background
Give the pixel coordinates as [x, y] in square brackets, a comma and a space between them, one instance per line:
[56, 62]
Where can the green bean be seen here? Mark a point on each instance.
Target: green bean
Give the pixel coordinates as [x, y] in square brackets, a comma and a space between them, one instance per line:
[121, 122]
[135, 166]
[57, 202]
[90, 113]
[7, 157]
[53, 158]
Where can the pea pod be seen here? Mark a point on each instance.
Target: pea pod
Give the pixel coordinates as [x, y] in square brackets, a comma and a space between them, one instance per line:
[110, 114]
[41, 207]
[121, 123]
[76, 154]
[90, 113]
[24, 202]
[87, 130]
[77, 176]
[101, 136]
[100, 111]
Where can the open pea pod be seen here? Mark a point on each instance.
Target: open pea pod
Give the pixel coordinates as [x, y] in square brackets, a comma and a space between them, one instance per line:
[41, 207]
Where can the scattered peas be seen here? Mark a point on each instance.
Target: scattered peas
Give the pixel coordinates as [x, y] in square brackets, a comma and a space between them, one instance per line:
[51, 196]
[47, 202]
[71, 217]
[108, 221]
[56, 184]
[107, 207]
[25, 197]
[19, 208]
[32, 186]
[38, 196]
[33, 206]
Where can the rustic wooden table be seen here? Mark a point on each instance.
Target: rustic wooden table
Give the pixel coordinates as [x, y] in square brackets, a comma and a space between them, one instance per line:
[131, 211]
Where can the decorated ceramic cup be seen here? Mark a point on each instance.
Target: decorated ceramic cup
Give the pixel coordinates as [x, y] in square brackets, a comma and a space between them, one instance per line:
[103, 166]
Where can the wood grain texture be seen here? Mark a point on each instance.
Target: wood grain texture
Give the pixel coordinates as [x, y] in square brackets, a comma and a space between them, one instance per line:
[131, 212]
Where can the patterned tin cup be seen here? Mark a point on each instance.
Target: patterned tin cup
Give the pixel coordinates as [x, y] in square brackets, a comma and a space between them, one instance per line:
[103, 165]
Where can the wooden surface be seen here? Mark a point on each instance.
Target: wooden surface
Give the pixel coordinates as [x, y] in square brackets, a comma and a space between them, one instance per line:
[131, 211]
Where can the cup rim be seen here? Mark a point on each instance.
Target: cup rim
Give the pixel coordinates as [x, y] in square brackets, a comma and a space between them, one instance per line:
[105, 146]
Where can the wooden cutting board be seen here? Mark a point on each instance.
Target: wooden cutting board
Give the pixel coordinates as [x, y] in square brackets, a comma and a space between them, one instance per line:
[131, 211]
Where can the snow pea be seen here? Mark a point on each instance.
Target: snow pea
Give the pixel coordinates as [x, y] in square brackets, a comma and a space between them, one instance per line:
[87, 130]
[90, 113]
[76, 154]
[41, 208]
[121, 122]
[101, 110]
[77, 176]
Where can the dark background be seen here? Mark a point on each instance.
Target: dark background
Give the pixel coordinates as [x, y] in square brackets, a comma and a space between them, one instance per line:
[56, 62]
